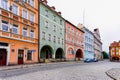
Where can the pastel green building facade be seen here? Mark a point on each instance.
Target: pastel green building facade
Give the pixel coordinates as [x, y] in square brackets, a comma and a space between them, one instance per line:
[52, 33]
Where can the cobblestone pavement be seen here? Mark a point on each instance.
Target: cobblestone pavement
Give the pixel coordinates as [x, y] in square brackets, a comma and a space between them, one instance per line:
[62, 71]
[114, 73]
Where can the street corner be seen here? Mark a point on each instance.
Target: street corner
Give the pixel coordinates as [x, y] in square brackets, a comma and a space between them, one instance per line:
[114, 73]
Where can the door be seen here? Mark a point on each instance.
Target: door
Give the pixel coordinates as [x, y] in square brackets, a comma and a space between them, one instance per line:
[20, 56]
[3, 57]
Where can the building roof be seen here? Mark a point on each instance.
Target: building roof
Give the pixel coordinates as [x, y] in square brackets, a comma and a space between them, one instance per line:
[75, 26]
[44, 2]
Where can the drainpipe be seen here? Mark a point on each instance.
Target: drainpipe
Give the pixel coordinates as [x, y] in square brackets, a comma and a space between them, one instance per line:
[39, 1]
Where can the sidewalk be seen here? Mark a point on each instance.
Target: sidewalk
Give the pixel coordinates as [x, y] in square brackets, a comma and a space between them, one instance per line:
[30, 65]
[114, 73]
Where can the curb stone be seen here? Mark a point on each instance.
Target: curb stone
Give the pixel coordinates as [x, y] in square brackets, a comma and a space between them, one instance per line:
[114, 73]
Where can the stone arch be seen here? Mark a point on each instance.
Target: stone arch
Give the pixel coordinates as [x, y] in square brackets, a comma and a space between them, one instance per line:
[59, 54]
[79, 54]
[46, 52]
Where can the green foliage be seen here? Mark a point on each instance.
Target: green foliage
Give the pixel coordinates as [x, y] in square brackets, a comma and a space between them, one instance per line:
[105, 55]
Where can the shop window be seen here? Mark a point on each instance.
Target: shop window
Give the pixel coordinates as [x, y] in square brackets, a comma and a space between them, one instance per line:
[29, 55]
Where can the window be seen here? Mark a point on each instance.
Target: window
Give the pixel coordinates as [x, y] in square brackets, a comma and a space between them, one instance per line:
[72, 40]
[32, 34]
[59, 40]
[60, 22]
[54, 28]
[4, 4]
[54, 18]
[60, 30]
[25, 33]
[25, 1]
[43, 35]
[32, 17]
[32, 3]
[68, 28]
[24, 14]
[46, 24]
[15, 9]
[62, 41]
[49, 37]
[54, 38]
[15, 29]
[71, 51]
[29, 55]
[46, 13]
[5, 26]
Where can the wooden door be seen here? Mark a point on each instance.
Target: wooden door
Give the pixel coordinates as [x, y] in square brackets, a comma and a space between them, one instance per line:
[20, 56]
[3, 57]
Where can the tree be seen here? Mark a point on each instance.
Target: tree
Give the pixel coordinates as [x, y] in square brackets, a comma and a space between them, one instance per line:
[105, 55]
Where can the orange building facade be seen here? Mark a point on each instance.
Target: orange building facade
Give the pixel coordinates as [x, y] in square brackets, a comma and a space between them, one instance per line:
[114, 50]
[18, 32]
[74, 42]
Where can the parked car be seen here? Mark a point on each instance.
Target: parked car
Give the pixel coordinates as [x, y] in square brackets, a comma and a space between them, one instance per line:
[95, 60]
[88, 60]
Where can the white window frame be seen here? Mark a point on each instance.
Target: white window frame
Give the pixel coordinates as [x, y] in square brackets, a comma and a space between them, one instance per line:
[49, 37]
[17, 9]
[26, 17]
[54, 39]
[25, 31]
[43, 35]
[46, 24]
[7, 8]
[5, 25]
[33, 3]
[33, 33]
[46, 13]
[54, 18]
[33, 20]
[17, 27]
[54, 27]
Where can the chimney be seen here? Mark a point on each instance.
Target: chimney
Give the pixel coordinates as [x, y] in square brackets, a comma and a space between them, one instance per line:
[59, 13]
[53, 8]
[45, 2]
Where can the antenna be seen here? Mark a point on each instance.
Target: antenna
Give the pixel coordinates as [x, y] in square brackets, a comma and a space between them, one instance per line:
[83, 16]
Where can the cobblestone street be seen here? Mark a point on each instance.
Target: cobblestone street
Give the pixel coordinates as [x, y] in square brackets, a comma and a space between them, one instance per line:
[62, 71]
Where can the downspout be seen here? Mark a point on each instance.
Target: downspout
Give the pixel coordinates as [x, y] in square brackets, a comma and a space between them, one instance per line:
[39, 30]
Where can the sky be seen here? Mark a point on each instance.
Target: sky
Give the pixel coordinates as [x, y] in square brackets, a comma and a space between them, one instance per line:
[102, 14]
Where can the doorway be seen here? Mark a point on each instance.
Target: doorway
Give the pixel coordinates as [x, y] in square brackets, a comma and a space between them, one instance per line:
[20, 56]
[3, 57]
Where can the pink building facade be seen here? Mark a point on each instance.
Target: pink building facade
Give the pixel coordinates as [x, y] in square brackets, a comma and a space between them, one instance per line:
[74, 42]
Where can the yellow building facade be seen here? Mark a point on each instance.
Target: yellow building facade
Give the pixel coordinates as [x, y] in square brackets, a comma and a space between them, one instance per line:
[18, 32]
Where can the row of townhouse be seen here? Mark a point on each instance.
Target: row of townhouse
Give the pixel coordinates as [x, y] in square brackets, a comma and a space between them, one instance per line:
[31, 31]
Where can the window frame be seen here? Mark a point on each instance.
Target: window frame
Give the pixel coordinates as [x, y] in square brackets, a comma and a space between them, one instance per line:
[16, 27]
[14, 10]
[33, 33]
[25, 31]
[23, 14]
[31, 56]
[33, 20]
[6, 24]
[33, 3]
[6, 7]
